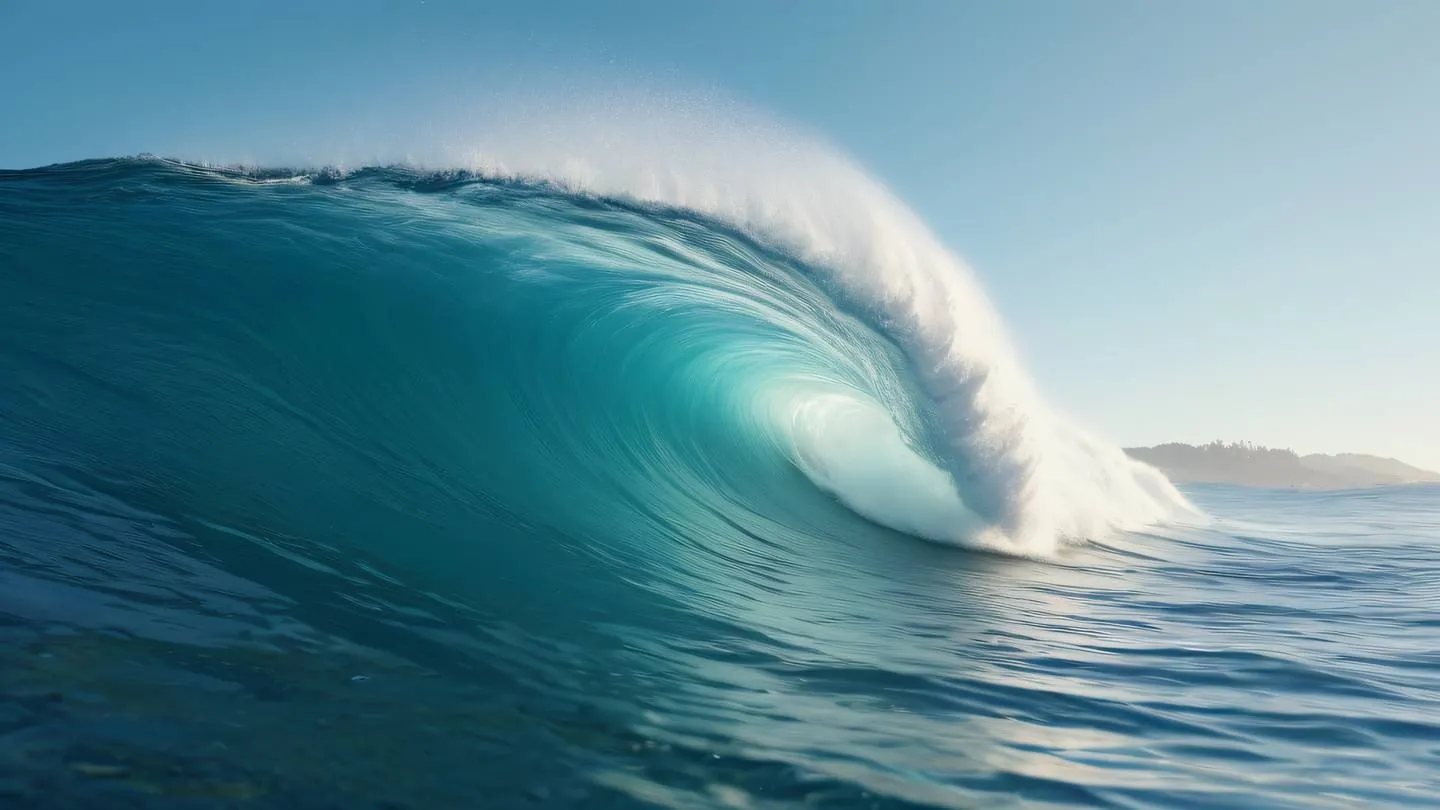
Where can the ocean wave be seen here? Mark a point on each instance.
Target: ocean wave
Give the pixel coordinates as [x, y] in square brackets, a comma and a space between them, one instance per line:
[779, 292]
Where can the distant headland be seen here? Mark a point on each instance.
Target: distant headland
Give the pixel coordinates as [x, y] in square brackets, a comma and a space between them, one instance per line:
[1251, 465]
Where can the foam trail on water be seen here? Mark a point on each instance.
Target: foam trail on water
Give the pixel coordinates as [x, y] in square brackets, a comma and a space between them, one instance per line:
[1016, 476]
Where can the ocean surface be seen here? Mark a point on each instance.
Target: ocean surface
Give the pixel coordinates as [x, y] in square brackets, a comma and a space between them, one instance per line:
[556, 485]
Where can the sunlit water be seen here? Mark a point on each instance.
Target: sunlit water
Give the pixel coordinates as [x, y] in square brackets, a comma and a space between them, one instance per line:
[442, 491]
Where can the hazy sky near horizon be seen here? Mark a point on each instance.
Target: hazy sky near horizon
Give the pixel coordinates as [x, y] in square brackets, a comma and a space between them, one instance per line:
[1200, 220]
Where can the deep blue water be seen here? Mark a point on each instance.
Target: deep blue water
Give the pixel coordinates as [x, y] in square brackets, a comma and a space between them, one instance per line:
[449, 492]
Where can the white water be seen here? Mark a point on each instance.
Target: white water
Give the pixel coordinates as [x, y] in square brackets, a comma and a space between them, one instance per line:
[1020, 477]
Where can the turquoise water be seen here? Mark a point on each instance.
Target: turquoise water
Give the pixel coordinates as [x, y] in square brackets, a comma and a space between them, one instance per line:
[439, 488]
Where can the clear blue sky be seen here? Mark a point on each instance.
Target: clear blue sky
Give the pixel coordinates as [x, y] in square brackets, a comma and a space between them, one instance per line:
[1200, 219]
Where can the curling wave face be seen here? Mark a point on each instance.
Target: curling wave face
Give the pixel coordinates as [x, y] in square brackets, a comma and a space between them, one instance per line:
[1027, 478]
